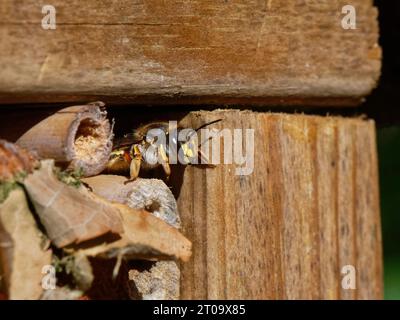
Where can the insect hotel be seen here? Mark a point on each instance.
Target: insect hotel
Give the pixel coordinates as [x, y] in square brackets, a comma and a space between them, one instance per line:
[184, 150]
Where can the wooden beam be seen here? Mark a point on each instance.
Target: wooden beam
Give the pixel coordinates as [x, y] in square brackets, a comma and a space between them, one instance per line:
[176, 52]
[310, 207]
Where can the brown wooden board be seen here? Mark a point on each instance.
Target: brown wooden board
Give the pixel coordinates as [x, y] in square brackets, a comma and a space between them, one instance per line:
[273, 52]
[310, 207]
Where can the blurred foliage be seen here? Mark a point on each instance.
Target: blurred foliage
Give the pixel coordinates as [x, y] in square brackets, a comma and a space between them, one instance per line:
[389, 171]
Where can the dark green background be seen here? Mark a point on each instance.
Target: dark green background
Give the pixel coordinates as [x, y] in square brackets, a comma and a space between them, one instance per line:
[389, 161]
[383, 107]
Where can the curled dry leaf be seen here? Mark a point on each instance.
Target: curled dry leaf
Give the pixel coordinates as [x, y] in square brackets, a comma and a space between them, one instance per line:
[78, 137]
[23, 251]
[14, 161]
[72, 215]
[144, 237]
[69, 214]
[110, 187]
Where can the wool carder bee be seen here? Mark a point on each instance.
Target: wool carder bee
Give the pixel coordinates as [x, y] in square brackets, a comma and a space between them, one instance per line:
[155, 144]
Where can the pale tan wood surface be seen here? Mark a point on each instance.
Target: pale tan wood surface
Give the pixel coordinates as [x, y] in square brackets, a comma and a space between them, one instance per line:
[310, 207]
[273, 52]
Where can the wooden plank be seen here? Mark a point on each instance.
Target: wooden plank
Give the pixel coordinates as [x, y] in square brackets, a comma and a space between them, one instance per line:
[176, 52]
[326, 171]
[367, 209]
[346, 199]
[310, 207]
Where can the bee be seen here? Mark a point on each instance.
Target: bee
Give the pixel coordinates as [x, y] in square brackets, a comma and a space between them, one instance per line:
[141, 150]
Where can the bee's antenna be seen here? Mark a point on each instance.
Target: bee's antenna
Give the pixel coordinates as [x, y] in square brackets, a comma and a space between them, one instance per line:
[207, 124]
[204, 125]
[201, 143]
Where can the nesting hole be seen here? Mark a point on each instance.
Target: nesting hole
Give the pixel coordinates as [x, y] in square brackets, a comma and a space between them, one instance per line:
[90, 140]
[153, 206]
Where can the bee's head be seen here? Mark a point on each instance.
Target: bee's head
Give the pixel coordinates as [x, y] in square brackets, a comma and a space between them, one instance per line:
[191, 146]
[119, 161]
[117, 154]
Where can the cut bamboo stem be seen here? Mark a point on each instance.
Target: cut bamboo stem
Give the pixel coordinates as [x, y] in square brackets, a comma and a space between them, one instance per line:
[78, 137]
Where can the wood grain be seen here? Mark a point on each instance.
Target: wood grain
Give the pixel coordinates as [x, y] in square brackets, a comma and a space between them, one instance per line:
[310, 207]
[273, 52]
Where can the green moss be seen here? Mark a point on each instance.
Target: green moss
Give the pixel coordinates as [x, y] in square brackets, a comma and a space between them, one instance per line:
[20, 176]
[5, 189]
[70, 178]
[64, 264]
[7, 186]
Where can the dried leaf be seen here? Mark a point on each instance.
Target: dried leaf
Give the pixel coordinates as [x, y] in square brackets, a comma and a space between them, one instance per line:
[14, 161]
[69, 215]
[21, 248]
[110, 187]
[144, 236]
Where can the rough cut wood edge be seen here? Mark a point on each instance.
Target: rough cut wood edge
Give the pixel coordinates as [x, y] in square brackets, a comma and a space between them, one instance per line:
[310, 207]
[216, 52]
[79, 137]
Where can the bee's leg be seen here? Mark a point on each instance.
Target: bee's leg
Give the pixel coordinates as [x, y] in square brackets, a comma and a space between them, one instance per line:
[164, 161]
[167, 169]
[87, 186]
[134, 169]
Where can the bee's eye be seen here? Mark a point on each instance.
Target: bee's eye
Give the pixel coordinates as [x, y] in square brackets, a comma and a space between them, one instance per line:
[115, 156]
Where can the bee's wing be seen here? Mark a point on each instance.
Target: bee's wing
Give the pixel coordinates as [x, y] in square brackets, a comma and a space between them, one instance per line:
[139, 134]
